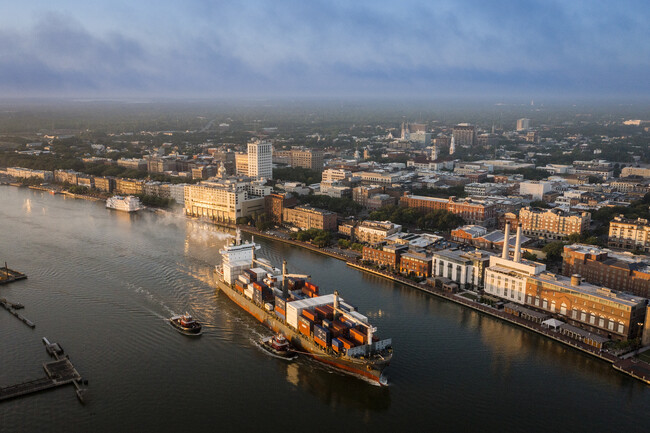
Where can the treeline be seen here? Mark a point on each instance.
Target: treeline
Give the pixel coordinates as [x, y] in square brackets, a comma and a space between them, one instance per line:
[320, 238]
[636, 209]
[297, 174]
[343, 206]
[454, 191]
[438, 219]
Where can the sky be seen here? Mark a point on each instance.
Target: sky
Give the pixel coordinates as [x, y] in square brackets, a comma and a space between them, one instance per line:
[332, 48]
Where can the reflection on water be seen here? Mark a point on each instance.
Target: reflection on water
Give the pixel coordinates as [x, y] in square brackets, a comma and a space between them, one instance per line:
[27, 206]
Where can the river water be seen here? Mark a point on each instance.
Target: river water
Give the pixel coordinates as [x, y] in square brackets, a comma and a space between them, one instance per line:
[103, 284]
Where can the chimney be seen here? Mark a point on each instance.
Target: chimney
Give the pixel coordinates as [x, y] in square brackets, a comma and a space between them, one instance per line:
[506, 242]
[517, 257]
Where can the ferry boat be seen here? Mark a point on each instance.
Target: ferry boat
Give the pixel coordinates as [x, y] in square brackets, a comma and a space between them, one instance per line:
[186, 324]
[278, 345]
[126, 204]
[323, 327]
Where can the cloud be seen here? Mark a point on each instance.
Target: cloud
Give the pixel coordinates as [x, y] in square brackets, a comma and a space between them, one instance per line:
[319, 47]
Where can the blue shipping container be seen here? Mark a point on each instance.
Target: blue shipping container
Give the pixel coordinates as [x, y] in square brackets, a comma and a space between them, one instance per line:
[322, 333]
[337, 343]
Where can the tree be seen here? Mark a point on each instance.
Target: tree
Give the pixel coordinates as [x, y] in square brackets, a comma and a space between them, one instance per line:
[540, 204]
[554, 250]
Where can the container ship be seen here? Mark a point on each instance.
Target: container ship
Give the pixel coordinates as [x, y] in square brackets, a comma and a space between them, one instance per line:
[323, 327]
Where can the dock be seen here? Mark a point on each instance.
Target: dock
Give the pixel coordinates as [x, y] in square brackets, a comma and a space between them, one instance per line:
[9, 275]
[12, 307]
[59, 372]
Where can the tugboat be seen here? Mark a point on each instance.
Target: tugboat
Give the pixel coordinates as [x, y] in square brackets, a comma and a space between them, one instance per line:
[186, 325]
[279, 346]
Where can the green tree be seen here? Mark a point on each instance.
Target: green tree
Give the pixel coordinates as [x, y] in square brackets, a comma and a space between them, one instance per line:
[554, 250]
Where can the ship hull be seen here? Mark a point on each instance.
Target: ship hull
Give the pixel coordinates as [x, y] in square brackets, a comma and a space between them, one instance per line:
[369, 370]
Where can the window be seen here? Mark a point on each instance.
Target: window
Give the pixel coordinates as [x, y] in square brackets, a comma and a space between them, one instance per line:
[583, 316]
[621, 328]
[545, 304]
[592, 319]
[563, 309]
[601, 322]
[574, 313]
[537, 301]
[610, 325]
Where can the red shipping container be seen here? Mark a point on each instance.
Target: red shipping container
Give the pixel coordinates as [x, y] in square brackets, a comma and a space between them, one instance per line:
[336, 349]
[324, 313]
[304, 329]
[320, 342]
[280, 310]
[257, 286]
[239, 288]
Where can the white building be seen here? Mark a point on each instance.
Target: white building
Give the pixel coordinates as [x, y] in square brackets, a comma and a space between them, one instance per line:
[507, 278]
[534, 188]
[260, 159]
[333, 174]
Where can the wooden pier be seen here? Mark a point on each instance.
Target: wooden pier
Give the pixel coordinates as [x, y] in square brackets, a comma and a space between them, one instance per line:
[58, 373]
[12, 309]
[9, 275]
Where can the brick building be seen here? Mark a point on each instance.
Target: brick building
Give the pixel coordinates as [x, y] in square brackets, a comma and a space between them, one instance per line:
[274, 205]
[472, 212]
[383, 254]
[623, 272]
[415, 263]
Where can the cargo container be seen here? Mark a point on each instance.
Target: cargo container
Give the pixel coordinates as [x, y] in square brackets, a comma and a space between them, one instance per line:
[310, 315]
[322, 333]
[280, 315]
[327, 323]
[244, 278]
[248, 292]
[347, 344]
[358, 336]
[324, 313]
[320, 342]
[280, 302]
[239, 288]
[251, 275]
[337, 345]
[280, 310]
[268, 306]
[257, 296]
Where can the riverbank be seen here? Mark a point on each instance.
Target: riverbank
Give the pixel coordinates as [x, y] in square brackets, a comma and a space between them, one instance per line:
[632, 367]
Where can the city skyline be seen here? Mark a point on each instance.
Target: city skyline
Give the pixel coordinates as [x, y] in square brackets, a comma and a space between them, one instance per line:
[411, 49]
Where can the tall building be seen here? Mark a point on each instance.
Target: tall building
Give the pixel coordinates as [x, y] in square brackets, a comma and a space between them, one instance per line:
[534, 188]
[241, 164]
[523, 124]
[553, 223]
[629, 234]
[452, 146]
[307, 217]
[464, 134]
[260, 159]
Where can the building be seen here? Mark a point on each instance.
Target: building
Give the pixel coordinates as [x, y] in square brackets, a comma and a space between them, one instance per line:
[27, 173]
[553, 223]
[133, 163]
[67, 176]
[629, 234]
[466, 234]
[481, 189]
[466, 268]
[177, 192]
[383, 254]
[274, 205]
[636, 171]
[86, 180]
[157, 189]
[472, 212]
[599, 168]
[335, 189]
[260, 159]
[623, 272]
[129, 186]
[523, 124]
[105, 184]
[535, 189]
[464, 134]
[336, 175]
[307, 158]
[581, 305]
[372, 197]
[307, 217]
[373, 232]
[378, 178]
[416, 263]
[241, 164]
[225, 200]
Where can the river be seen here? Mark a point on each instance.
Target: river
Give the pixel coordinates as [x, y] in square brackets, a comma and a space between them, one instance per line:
[103, 284]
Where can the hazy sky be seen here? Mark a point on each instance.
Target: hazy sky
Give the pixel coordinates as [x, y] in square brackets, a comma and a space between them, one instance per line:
[324, 48]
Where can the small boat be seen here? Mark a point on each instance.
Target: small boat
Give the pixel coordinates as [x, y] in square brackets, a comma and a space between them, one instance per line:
[279, 346]
[185, 324]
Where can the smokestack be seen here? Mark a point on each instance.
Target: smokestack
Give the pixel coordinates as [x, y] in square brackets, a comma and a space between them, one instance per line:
[285, 286]
[575, 279]
[518, 245]
[336, 304]
[506, 242]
